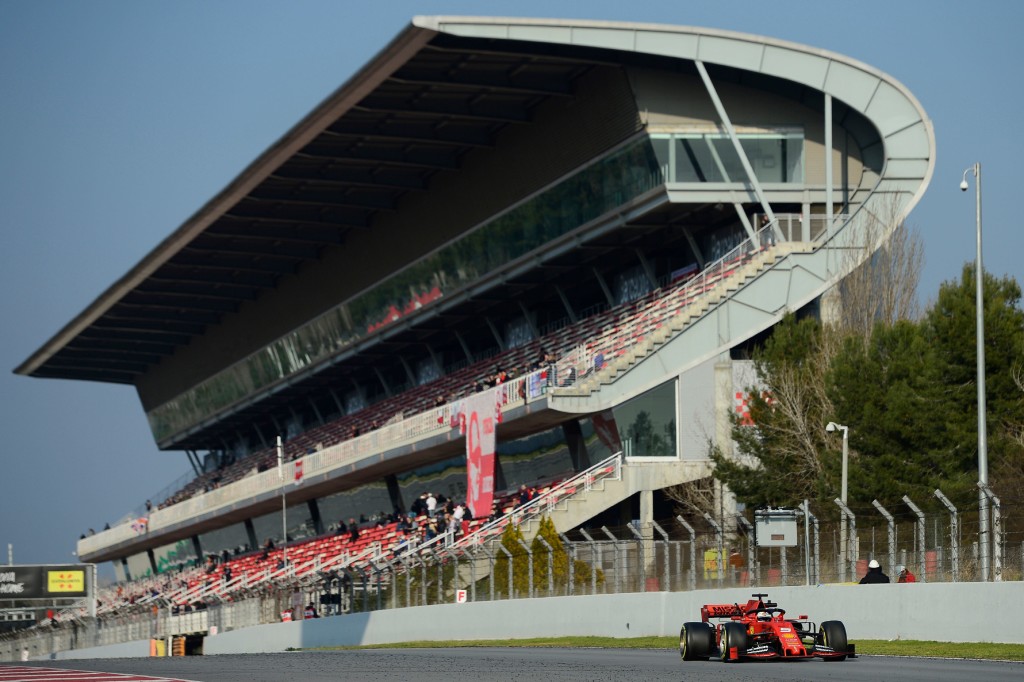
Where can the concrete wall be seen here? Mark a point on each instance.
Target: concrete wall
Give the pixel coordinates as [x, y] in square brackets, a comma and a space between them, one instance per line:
[964, 612]
[138, 649]
[950, 612]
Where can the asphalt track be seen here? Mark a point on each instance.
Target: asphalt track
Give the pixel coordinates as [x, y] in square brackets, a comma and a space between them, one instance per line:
[529, 665]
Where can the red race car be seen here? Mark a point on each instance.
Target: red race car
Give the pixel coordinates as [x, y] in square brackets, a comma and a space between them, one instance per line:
[759, 630]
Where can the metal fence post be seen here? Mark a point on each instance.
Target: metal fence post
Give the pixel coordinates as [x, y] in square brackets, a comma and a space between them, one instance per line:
[618, 567]
[594, 551]
[718, 535]
[490, 572]
[570, 552]
[641, 559]
[849, 518]
[455, 569]
[693, 551]
[508, 554]
[920, 535]
[551, 565]
[529, 567]
[805, 507]
[668, 565]
[997, 531]
[752, 569]
[892, 531]
[439, 560]
[954, 534]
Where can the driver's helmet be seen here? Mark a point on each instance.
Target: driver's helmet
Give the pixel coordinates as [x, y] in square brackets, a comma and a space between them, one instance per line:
[764, 616]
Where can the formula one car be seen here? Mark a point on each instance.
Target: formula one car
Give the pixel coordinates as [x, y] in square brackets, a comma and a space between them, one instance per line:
[759, 630]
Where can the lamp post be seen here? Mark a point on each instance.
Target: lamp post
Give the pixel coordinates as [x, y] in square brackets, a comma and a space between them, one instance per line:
[983, 535]
[831, 428]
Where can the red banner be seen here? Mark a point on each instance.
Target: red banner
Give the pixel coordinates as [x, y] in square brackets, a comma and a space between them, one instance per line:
[298, 471]
[480, 424]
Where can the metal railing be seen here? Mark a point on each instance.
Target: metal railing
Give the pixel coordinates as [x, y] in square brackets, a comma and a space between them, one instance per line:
[672, 554]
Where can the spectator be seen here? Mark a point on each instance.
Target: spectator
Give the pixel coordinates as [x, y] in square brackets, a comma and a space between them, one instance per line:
[311, 611]
[906, 576]
[431, 505]
[524, 495]
[874, 574]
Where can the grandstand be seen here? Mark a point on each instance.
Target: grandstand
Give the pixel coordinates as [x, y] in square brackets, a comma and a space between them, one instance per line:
[604, 216]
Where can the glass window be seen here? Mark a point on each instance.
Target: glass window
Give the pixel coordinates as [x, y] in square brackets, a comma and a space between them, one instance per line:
[174, 556]
[229, 538]
[591, 192]
[711, 157]
[647, 423]
[541, 456]
[268, 526]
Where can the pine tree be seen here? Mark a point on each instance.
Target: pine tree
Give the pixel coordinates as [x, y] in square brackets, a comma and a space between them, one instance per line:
[511, 540]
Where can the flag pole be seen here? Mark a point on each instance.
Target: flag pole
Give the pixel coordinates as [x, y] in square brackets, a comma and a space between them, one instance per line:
[284, 506]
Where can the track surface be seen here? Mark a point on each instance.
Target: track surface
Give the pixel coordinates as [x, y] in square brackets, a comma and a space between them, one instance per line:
[519, 665]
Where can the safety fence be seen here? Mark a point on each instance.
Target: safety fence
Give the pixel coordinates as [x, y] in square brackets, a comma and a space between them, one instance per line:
[673, 554]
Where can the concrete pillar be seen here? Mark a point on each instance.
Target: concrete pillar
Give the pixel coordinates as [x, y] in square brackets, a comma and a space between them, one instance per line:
[647, 531]
[250, 532]
[314, 516]
[725, 405]
[830, 307]
[573, 435]
[395, 493]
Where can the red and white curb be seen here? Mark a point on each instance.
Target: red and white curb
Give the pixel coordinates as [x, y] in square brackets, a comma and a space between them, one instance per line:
[24, 673]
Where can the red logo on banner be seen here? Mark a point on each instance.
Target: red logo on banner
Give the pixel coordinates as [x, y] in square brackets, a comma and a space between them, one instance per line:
[298, 471]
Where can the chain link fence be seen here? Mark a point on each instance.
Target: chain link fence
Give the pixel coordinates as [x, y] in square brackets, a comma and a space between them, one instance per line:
[673, 554]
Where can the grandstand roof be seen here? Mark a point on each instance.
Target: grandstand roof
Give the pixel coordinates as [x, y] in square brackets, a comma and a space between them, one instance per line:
[410, 113]
[443, 87]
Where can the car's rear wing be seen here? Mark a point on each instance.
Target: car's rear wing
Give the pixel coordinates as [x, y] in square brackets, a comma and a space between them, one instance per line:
[736, 610]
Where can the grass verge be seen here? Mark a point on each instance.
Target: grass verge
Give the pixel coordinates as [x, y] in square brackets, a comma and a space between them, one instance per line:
[876, 647]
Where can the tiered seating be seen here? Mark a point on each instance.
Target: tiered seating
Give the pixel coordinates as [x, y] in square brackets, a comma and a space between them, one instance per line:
[610, 332]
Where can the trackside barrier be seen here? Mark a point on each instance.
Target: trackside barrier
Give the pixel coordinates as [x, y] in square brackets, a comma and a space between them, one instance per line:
[684, 557]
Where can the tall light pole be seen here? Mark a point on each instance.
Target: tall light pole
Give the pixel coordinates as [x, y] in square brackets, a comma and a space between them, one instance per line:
[831, 428]
[284, 503]
[979, 302]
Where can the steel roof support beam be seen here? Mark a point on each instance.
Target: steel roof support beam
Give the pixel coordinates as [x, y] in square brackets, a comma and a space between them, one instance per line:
[727, 122]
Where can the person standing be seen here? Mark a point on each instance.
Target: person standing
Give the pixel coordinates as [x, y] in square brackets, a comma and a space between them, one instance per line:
[906, 576]
[874, 576]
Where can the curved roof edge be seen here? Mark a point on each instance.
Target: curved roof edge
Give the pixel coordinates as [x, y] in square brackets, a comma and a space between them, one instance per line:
[409, 41]
[907, 132]
[904, 126]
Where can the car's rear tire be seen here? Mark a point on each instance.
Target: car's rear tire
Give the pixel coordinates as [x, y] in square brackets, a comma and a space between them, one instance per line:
[832, 634]
[734, 635]
[695, 641]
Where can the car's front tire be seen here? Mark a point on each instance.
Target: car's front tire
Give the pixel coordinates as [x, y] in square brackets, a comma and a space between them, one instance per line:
[832, 634]
[734, 635]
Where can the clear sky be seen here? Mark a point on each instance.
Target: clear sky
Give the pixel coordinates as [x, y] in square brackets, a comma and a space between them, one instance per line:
[119, 119]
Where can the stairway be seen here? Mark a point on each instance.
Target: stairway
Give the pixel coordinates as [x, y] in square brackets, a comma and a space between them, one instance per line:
[645, 342]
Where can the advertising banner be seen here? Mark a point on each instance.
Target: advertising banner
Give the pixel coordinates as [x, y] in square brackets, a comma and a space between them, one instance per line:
[43, 582]
[480, 422]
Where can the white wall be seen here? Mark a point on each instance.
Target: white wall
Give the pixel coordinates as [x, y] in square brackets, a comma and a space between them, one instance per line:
[953, 612]
[947, 612]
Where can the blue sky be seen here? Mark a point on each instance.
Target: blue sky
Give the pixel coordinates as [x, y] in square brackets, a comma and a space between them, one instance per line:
[119, 119]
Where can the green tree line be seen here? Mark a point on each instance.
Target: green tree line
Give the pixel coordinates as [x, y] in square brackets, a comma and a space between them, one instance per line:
[907, 391]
